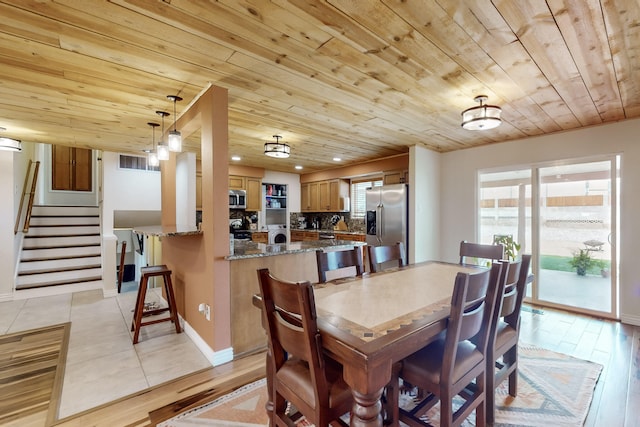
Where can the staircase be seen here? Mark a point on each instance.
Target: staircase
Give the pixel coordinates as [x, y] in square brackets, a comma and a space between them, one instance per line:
[62, 247]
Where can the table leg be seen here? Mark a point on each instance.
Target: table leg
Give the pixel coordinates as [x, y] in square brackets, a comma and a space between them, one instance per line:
[366, 409]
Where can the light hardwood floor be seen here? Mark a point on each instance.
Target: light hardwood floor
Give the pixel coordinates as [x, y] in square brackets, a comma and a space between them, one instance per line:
[612, 344]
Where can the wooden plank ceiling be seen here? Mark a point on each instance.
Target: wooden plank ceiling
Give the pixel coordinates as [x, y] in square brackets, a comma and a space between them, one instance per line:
[357, 79]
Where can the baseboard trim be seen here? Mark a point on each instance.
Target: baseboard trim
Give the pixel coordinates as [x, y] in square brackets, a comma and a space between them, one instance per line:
[630, 320]
[214, 357]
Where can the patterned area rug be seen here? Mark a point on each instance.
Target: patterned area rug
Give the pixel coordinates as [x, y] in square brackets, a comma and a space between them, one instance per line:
[553, 390]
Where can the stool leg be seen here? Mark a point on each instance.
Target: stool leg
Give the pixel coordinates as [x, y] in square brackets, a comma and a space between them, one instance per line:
[139, 309]
[171, 299]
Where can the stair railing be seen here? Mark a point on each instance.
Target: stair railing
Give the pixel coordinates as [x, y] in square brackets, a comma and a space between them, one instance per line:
[34, 178]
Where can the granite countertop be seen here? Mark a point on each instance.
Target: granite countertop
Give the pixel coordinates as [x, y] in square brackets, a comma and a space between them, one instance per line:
[168, 231]
[243, 249]
[326, 230]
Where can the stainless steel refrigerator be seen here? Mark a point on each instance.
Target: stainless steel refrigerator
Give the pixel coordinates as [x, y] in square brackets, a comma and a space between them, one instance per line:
[386, 218]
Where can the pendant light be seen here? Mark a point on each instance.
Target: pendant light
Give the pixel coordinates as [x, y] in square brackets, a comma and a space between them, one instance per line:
[277, 149]
[482, 117]
[163, 149]
[175, 138]
[153, 154]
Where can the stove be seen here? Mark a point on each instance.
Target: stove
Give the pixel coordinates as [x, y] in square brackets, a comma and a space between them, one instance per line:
[237, 228]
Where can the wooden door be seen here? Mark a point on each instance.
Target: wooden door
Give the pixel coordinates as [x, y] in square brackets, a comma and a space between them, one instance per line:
[71, 169]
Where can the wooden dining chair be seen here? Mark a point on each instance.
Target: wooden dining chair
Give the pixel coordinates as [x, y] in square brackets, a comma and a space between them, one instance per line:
[336, 260]
[379, 255]
[455, 363]
[480, 251]
[298, 371]
[505, 333]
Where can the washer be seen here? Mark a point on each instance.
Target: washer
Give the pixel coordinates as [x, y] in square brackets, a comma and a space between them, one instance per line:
[277, 234]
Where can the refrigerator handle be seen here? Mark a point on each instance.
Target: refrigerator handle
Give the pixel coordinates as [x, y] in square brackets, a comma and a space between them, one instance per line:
[380, 223]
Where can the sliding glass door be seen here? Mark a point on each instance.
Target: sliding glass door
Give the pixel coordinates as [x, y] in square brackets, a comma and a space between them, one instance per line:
[569, 230]
[576, 223]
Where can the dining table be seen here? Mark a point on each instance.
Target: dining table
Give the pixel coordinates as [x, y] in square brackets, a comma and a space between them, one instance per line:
[370, 322]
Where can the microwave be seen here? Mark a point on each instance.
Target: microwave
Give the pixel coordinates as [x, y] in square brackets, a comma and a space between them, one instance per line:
[237, 199]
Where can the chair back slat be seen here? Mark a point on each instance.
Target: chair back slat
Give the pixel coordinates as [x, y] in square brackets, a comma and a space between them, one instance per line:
[510, 295]
[513, 318]
[472, 305]
[379, 255]
[335, 260]
[481, 251]
[291, 319]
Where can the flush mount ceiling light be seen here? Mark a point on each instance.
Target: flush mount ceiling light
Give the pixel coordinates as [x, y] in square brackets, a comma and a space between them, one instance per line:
[163, 149]
[277, 149]
[153, 154]
[10, 144]
[482, 117]
[175, 137]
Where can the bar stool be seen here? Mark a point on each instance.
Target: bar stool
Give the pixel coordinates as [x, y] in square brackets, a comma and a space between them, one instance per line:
[139, 311]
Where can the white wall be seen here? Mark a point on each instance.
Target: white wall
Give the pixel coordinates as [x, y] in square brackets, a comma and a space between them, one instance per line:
[7, 221]
[424, 210]
[126, 190]
[186, 189]
[459, 172]
[56, 197]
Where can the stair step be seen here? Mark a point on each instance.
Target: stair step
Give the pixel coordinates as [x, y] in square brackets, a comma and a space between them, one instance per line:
[60, 251]
[63, 220]
[59, 210]
[57, 276]
[57, 264]
[60, 269]
[59, 283]
[58, 241]
[60, 258]
[62, 230]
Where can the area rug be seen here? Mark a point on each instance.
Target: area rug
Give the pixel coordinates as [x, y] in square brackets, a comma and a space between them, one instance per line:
[553, 390]
[31, 373]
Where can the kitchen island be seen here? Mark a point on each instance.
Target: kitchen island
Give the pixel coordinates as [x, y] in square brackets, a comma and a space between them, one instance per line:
[294, 262]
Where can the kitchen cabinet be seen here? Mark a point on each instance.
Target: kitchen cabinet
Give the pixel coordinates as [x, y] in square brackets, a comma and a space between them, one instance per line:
[254, 196]
[325, 196]
[237, 182]
[351, 237]
[300, 236]
[309, 197]
[260, 237]
[395, 177]
[253, 187]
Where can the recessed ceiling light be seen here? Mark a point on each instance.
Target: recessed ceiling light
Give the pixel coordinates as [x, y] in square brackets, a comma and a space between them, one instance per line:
[236, 158]
[298, 167]
[337, 159]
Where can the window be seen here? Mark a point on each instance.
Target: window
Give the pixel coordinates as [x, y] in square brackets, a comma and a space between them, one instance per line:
[358, 201]
[136, 162]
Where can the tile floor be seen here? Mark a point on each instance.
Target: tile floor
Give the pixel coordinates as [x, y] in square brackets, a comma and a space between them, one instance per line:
[102, 363]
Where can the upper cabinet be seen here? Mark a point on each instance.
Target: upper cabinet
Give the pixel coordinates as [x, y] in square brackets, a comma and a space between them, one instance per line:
[395, 177]
[309, 197]
[325, 196]
[254, 189]
[237, 182]
[252, 185]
